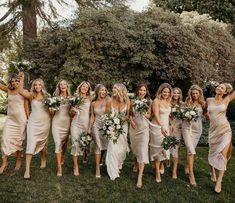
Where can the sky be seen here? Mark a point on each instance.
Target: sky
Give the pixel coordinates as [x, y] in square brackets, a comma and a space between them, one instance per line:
[66, 12]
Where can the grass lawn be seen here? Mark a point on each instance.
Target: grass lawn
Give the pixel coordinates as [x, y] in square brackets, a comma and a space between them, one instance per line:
[45, 186]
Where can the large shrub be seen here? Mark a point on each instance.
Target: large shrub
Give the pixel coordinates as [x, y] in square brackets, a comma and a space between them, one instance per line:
[119, 45]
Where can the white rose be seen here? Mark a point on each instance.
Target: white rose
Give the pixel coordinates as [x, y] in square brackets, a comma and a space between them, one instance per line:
[116, 120]
[104, 128]
[192, 113]
[118, 127]
[173, 109]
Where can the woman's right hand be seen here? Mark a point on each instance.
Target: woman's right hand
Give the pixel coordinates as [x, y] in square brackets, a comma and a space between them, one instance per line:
[133, 125]
[164, 131]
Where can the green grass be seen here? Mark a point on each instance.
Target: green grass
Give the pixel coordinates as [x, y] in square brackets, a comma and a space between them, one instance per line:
[45, 186]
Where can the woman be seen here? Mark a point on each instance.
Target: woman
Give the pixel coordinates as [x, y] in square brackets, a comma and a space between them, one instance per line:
[61, 123]
[220, 134]
[98, 108]
[80, 124]
[14, 128]
[160, 127]
[192, 131]
[177, 126]
[38, 124]
[139, 133]
[116, 152]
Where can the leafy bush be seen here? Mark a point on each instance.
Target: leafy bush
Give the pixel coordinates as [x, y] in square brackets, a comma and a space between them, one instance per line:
[231, 111]
[3, 103]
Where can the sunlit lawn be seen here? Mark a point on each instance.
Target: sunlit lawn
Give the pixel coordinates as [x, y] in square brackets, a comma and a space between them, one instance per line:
[45, 186]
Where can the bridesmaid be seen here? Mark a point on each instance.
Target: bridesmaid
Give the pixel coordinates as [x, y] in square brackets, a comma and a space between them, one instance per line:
[14, 128]
[192, 131]
[80, 124]
[139, 134]
[177, 128]
[38, 124]
[220, 133]
[61, 124]
[116, 152]
[160, 127]
[98, 108]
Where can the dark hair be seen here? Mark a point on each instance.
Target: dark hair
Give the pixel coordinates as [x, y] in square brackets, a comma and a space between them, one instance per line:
[97, 89]
[138, 88]
[13, 76]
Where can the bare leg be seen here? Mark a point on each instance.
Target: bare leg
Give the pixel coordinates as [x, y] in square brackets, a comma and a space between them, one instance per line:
[18, 160]
[4, 164]
[27, 166]
[190, 160]
[64, 147]
[43, 157]
[59, 165]
[75, 166]
[213, 174]
[175, 166]
[158, 175]
[97, 165]
[186, 167]
[218, 186]
[162, 168]
[140, 174]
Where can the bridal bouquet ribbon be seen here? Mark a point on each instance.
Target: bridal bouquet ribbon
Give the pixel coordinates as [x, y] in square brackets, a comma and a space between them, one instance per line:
[85, 140]
[53, 102]
[141, 106]
[113, 126]
[169, 142]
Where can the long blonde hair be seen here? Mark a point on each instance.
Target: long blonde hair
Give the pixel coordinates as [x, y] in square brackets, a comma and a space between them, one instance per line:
[32, 89]
[122, 94]
[58, 91]
[161, 88]
[78, 91]
[12, 76]
[180, 100]
[97, 90]
[189, 100]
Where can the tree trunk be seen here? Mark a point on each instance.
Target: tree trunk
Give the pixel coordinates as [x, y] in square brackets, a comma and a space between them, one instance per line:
[29, 23]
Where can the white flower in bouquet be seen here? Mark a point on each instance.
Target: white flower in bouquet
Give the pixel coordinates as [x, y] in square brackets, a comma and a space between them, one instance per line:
[141, 106]
[190, 114]
[85, 140]
[116, 120]
[52, 102]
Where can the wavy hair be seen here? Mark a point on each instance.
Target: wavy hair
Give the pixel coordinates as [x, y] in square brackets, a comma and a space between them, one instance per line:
[122, 95]
[139, 87]
[32, 89]
[78, 91]
[161, 88]
[180, 100]
[189, 100]
[97, 90]
[58, 91]
[12, 76]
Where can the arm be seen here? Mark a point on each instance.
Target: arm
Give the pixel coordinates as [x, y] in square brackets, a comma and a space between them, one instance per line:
[108, 105]
[92, 117]
[131, 116]
[25, 93]
[26, 107]
[231, 96]
[3, 87]
[148, 113]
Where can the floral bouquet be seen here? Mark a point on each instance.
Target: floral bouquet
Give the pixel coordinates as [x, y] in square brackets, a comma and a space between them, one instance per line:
[53, 102]
[76, 102]
[141, 106]
[190, 114]
[85, 140]
[23, 65]
[113, 126]
[169, 142]
[176, 111]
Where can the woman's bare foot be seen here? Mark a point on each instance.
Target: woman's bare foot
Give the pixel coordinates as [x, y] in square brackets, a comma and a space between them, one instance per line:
[139, 181]
[213, 178]
[59, 171]
[3, 167]
[192, 180]
[18, 165]
[75, 172]
[43, 163]
[26, 175]
[218, 187]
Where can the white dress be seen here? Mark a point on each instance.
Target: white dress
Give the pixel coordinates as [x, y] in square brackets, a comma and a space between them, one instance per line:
[116, 153]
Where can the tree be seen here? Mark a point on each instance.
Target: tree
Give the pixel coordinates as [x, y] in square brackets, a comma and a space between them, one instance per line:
[217, 9]
[28, 10]
[117, 44]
